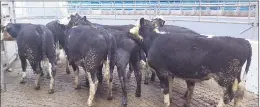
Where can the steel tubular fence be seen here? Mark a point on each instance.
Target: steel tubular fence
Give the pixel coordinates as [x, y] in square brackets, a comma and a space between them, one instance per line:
[94, 9]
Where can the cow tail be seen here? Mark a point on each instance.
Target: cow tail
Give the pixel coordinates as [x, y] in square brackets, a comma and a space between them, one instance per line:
[42, 38]
[248, 62]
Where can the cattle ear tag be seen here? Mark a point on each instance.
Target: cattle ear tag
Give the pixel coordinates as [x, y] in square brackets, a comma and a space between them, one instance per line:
[235, 85]
[156, 30]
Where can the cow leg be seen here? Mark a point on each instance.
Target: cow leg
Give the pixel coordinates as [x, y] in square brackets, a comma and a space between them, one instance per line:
[45, 64]
[164, 82]
[189, 92]
[239, 94]
[76, 76]
[67, 65]
[146, 71]
[99, 73]
[138, 75]
[93, 81]
[122, 61]
[109, 78]
[152, 76]
[41, 70]
[52, 75]
[130, 71]
[36, 69]
[24, 66]
[57, 51]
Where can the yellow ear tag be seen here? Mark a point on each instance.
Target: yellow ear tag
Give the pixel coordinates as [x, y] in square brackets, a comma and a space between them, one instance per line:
[135, 32]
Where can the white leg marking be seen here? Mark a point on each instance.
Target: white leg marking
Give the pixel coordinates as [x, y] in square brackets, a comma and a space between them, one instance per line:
[45, 65]
[92, 90]
[166, 100]
[221, 102]
[76, 75]
[37, 80]
[107, 76]
[239, 95]
[52, 78]
[221, 95]
[107, 69]
[23, 76]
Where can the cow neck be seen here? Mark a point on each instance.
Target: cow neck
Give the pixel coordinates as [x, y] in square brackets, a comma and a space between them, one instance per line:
[149, 39]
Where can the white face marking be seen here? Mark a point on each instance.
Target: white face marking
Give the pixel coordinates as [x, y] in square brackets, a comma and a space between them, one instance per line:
[161, 32]
[65, 20]
[158, 17]
[208, 36]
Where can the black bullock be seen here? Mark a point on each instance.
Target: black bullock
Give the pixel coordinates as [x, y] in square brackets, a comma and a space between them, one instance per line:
[57, 30]
[161, 28]
[35, 44]
[89, 47]
[196, 59]
[127, 51]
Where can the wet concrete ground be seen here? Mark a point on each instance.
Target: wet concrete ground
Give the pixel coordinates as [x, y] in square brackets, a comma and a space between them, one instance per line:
[205, 94]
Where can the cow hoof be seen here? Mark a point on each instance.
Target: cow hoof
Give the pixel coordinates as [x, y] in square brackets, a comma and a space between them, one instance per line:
[137, 94]
[50, 91]
[42, 74]
[68, 71]
[89, 104]
[110, 98]
[37, 87]
[124, 105]
[146, 82]
[77, 87]
[22, 82]
[186, 105]
[152, 79]
[48, 76]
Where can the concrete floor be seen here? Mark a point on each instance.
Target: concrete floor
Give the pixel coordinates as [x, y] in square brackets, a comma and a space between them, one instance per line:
[23, 95]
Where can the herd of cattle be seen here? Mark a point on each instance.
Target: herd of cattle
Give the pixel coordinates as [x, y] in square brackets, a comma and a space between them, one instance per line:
[165, 50]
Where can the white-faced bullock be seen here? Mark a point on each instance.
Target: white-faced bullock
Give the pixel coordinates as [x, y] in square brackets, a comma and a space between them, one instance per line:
[196, 59]
[35, 44]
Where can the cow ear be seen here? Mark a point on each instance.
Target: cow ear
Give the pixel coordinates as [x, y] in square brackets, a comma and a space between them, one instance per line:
[163, 23]
[85, 18]
[142, 21]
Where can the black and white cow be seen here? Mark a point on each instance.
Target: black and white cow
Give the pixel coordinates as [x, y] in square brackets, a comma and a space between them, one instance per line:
[57, 30]
[127, 51]
[35, 44]
[161, 28]
[196, 59]
[89, 47]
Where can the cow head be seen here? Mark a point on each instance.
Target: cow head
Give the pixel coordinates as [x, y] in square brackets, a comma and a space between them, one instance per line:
[82, 21]
[146, 27]
[158, 21]
[10, 32]
[69, 20]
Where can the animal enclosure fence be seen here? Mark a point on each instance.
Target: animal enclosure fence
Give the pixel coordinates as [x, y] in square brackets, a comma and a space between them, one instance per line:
[212, 11]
